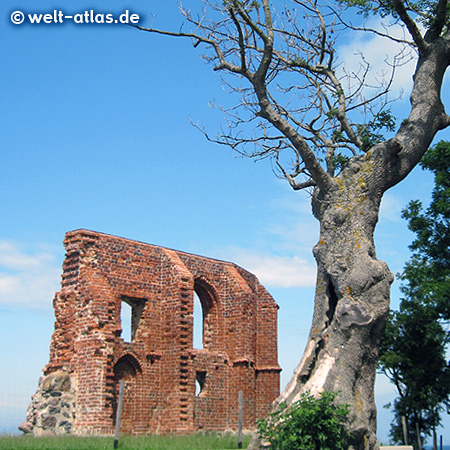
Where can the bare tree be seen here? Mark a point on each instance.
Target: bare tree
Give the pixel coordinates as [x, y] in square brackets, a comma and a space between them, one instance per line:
[324, 126]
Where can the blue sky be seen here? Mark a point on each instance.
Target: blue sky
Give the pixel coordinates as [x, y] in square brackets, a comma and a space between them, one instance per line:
[96, 134]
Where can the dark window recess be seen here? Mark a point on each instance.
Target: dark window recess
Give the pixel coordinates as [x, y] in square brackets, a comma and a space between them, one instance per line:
[200, 379]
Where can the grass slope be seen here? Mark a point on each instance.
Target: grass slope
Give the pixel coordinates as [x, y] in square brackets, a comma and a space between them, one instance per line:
[190, 442]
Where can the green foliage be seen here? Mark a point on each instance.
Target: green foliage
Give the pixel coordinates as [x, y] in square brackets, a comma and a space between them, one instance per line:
[340, 161]
[370, 134]
[384, 8]
[332, 112]
[427, 274]
[413, 357]
[299, 62]
[246, 4]
[370, 7]
[309, 424]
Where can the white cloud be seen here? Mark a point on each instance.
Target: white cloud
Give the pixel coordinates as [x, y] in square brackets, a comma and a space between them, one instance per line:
[296, 236]
[12, 257]
[29, 278]
[391, 208]
[384, 387]
[281, 254]
[291, 229]
[276, 271]
[381, 54]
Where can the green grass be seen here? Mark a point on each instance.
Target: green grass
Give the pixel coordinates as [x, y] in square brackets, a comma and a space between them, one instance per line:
[207, 441]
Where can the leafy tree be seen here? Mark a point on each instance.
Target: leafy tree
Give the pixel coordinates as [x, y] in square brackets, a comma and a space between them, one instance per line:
[413, 358]
[428, 272]
[413, 350]
[324, 127]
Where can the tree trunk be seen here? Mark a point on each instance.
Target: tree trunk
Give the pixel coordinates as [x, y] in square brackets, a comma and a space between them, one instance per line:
[351, 306]
[419, 439]
[405, 431]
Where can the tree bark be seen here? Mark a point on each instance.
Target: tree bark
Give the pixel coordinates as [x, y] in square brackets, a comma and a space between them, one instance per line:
[419, 439]
[405, 431]
[351, 306]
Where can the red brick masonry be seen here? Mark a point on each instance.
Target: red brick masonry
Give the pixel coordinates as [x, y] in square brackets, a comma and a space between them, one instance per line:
[159, 365]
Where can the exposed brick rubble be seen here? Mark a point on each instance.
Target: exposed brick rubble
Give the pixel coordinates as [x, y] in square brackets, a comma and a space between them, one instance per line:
[160, 366]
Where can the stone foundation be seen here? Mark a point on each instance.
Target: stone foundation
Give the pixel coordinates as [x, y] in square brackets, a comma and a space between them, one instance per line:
[52, 408]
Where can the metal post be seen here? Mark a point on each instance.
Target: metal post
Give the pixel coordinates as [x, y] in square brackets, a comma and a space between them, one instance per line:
[240, 420]
[118, 414]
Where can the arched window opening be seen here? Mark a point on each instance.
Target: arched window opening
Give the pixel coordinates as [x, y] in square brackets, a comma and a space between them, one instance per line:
[130, 316]
[198, 323]
[127, 369]
[203, 315]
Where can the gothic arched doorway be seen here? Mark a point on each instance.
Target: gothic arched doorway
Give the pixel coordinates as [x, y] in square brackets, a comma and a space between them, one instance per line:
[128, 369]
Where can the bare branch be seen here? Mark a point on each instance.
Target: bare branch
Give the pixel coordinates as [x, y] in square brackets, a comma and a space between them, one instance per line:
[291, 100]
[376, 32]
[411, 25]
[241, 41]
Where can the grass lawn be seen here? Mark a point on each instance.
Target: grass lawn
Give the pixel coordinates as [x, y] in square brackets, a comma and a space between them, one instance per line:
[206, 441]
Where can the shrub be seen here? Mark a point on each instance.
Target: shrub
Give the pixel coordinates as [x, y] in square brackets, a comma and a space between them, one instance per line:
[308, 424]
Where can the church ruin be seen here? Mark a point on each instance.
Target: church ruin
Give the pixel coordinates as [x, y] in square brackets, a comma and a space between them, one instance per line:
[89, 356]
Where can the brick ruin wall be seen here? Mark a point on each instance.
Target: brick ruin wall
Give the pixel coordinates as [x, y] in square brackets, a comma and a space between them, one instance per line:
[160, 367]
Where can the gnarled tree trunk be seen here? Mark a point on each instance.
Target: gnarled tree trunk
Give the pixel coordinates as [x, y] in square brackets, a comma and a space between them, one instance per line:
[351, 306]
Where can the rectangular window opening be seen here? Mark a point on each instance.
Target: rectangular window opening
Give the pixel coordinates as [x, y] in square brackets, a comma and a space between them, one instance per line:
[130, 316]
[200, 379]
